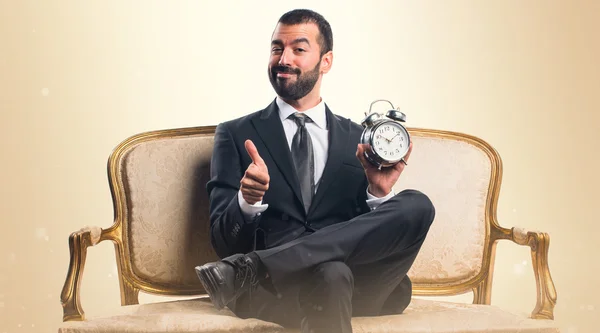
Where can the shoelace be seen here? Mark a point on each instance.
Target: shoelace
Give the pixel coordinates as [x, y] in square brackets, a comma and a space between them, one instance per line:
[246, 269]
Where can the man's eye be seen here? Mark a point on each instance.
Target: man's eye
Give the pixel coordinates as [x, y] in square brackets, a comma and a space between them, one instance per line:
[275, 50]
[300, 50]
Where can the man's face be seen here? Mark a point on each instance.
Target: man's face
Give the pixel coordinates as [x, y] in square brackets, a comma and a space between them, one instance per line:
[295, 62]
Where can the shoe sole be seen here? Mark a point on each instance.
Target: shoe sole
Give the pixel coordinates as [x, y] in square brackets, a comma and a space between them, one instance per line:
[210, 286]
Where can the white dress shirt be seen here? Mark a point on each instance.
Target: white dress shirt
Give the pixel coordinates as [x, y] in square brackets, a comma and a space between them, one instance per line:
[318, 132]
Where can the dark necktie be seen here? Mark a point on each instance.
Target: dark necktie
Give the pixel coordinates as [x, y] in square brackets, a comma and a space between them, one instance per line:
[302, 154]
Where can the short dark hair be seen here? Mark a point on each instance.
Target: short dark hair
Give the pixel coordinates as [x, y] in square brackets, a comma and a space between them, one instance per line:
[300, 16]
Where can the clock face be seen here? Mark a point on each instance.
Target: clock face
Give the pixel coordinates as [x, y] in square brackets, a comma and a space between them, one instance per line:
[390, 141]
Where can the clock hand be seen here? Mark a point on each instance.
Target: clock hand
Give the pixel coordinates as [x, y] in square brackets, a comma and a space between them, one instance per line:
[390, 140]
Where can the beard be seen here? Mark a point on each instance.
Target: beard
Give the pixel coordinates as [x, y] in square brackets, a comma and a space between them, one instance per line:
[305, 82]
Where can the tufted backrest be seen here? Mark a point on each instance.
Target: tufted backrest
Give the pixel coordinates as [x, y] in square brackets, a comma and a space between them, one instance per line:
[158, 184]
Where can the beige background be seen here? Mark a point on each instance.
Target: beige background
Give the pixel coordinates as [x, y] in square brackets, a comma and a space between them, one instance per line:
[77, 77]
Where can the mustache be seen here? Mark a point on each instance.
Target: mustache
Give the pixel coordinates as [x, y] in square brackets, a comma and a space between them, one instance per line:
[285, 70]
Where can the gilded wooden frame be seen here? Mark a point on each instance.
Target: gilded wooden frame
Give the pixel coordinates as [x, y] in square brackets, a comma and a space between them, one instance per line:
[130, 284]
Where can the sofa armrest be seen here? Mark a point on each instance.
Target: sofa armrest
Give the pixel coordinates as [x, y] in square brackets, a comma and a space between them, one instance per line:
[539, 243]
[79, 241]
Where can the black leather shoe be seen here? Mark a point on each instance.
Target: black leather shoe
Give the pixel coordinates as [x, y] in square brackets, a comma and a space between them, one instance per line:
[226, 280]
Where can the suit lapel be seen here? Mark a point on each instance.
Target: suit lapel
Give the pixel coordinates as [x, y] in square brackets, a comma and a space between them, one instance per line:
[270, 129]
[339, 133]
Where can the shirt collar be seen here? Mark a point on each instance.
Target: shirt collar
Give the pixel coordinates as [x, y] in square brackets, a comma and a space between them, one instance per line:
[317, 113]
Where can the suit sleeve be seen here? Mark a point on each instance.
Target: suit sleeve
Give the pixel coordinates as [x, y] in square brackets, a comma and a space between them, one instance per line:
[364, 202]
[362, 199]
[230, 232]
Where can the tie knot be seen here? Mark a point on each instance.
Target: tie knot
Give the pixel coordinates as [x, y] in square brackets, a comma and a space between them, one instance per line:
[300, 118]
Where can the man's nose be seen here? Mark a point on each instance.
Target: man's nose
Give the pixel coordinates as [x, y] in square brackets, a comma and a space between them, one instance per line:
[286, 57]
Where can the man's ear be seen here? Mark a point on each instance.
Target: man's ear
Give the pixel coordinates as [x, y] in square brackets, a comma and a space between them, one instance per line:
[326, 62]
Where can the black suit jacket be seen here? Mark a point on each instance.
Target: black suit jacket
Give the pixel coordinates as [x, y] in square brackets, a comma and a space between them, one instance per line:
[341, 194]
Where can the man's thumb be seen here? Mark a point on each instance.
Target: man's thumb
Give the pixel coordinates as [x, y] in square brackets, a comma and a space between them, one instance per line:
[253, 152]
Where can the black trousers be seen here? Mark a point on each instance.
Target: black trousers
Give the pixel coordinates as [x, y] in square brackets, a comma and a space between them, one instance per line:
[318, 282]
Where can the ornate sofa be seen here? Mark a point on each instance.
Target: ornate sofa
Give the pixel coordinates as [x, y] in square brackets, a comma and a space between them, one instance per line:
[160, 233]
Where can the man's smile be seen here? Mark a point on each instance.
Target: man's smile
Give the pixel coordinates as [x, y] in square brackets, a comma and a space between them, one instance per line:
[282, 75]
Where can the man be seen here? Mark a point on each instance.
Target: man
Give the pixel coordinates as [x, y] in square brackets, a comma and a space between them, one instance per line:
[310, 234]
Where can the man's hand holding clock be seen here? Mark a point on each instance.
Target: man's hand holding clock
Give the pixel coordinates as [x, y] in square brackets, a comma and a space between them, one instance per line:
[381, 180]
[384, 149]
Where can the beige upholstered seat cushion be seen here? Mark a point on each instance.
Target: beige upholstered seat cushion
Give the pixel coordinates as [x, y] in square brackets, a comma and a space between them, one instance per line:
[195, 315]
[199, 316]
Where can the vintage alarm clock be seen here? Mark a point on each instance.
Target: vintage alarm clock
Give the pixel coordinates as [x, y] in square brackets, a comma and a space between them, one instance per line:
[387, 138]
